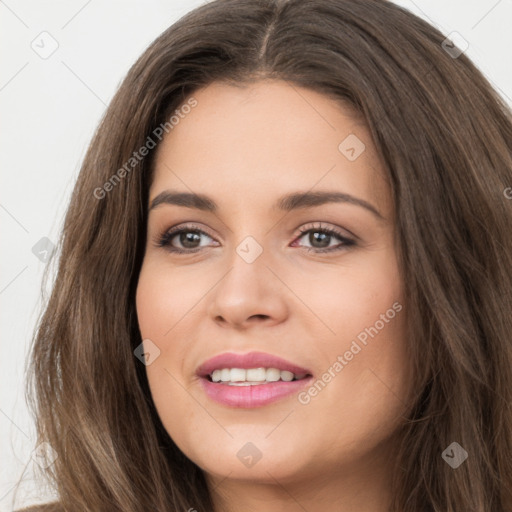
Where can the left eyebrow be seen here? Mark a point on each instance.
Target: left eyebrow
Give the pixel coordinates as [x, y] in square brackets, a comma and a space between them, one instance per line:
[288, 202]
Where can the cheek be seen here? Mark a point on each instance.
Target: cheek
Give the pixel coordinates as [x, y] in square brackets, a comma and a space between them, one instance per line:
[351, 298]
[160, 304]
[169, 303]
[364, 377]
[165, 296]
[163, 300]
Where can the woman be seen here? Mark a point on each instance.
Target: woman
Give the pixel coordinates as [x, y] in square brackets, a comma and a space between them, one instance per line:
[285, 274]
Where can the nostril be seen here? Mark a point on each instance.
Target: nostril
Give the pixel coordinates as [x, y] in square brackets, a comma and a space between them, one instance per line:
[260, 316]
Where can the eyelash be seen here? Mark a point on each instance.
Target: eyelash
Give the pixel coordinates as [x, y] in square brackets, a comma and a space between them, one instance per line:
[165, 239]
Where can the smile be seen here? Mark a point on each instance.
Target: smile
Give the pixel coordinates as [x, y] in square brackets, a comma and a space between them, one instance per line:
[253, 376]
[251, 380]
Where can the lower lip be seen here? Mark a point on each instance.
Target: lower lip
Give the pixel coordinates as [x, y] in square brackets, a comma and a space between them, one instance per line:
[252, 396]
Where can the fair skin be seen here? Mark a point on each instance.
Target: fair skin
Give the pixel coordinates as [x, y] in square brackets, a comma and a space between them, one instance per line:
[245, 148]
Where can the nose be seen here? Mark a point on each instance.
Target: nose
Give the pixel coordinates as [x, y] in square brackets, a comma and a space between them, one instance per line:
[248, 294]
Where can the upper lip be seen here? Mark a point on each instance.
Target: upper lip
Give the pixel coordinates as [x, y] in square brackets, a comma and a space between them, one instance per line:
[249, 360]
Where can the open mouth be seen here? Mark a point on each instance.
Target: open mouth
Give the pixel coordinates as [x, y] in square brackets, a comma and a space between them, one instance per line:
[253, 379]
[253, 376]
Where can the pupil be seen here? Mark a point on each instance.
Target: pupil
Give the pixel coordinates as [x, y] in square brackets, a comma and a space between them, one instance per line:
[189, 237]
[324, 237]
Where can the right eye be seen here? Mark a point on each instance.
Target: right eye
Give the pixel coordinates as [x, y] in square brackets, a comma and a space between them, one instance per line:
[186, 236]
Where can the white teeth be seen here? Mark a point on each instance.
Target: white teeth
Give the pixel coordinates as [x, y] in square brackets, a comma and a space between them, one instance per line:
[256, 374]
[286, 376]
[237, 375]
[273, 374]
[252, 376]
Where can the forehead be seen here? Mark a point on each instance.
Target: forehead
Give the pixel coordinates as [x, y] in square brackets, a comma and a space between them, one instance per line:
[260, 141]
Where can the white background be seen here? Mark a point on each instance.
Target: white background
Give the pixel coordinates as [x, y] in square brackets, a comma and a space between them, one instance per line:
[49, 110]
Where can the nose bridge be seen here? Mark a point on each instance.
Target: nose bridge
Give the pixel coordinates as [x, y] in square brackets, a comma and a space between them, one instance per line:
[248, 288]
[250, 249]
[249, 235]
[253, 244]
[247, 265]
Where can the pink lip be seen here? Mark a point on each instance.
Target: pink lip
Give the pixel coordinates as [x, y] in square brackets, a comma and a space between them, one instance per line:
[250, 396]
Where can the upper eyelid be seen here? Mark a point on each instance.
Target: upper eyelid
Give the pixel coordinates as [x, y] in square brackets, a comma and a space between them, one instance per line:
[188, 227]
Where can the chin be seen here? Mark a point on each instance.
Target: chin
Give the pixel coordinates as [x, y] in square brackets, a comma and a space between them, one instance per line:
[253, 458]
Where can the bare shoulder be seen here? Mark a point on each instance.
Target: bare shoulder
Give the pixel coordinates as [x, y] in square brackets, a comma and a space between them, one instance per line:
[46, 507]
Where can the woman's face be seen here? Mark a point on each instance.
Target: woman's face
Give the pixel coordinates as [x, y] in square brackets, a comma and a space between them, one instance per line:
[250, 281]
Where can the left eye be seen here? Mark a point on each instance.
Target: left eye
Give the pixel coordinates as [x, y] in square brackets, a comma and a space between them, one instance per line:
[189, 236]
[323, 236]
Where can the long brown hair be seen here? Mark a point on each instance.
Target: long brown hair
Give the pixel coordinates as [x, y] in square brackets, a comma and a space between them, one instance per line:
[445, 140]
